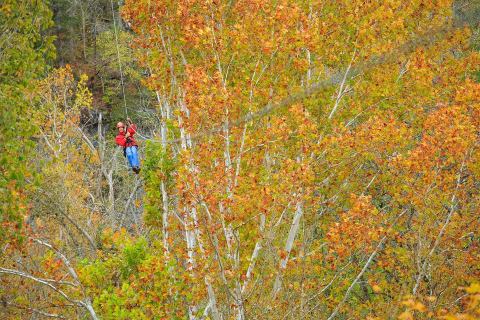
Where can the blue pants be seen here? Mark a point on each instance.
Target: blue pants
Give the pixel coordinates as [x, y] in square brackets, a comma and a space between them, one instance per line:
[132, 156]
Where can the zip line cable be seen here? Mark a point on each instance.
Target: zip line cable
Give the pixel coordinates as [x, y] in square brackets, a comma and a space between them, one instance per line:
[428, 38]
[119, 60]
[120, 67]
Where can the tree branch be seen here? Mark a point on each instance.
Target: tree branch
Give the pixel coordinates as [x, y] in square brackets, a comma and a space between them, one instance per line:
[364, 269]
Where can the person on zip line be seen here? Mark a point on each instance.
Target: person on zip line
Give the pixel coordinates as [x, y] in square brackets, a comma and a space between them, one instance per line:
[125, 139]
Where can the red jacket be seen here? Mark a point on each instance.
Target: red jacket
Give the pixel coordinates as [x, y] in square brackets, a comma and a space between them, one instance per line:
[126, 142]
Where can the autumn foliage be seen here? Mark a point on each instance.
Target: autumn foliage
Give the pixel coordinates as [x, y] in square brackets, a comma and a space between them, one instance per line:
[309, 160]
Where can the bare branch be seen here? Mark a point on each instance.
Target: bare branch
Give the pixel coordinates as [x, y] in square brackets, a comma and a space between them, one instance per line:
[341, 90]
[364, 269]
[33, 310]
[62, 257]
[440, 234]
[45, 282]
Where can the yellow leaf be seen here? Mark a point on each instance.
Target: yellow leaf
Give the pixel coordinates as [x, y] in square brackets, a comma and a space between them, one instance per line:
[474, 288]
[419, 307]
[406, 315]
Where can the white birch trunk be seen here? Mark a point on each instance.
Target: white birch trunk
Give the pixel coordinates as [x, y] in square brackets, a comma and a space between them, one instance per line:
[212, 300]
[190, 238]
[164, 112]
[256, 251]
[289, 245]
[165, 217]
[233, 253]
[192, 231]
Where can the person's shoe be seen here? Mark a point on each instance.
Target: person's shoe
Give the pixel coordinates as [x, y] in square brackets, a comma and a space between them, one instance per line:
[136, 169]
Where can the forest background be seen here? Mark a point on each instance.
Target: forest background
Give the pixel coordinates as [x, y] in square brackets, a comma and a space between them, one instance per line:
[300, 159]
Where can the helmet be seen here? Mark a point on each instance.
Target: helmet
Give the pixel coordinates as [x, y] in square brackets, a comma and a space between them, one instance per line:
[120, 125]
